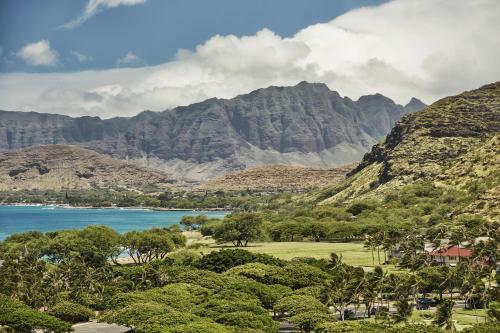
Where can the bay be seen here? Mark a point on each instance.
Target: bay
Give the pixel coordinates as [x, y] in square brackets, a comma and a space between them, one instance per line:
[16, 219]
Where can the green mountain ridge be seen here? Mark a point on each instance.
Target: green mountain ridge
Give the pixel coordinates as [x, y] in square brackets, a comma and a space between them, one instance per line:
[452, 143]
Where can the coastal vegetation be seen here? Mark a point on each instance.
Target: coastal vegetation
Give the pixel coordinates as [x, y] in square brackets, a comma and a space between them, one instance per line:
[202, 200]
[178, 286]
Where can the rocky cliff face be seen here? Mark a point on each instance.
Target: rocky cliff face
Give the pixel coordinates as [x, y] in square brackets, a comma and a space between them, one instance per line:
[307, 124]
[454, 142]
[62, 167]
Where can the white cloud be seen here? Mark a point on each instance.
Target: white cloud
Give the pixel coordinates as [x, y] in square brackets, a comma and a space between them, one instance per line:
[130, 59]
[95, 6]
[39, 54]
[80, 57]
[423, 48]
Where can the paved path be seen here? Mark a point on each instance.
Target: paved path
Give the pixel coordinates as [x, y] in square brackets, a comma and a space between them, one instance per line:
[286, 327]
[92, 327]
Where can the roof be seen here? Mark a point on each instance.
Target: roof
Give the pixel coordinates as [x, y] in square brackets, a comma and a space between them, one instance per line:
[451, 251]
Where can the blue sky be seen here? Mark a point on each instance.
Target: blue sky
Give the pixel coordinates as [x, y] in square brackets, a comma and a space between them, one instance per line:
[118, 57]
[153, 31]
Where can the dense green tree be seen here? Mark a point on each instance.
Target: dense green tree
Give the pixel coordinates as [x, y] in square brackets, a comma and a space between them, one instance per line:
[71, 312]
[415, 328]
[361, 206]
[350, 327]
[345, 284]
[298, 275]
[256, 271]
[494, 311]
[242, 320]
[23, 270]
[434, 279]
[20, 318]
[200, 326]
[220, 261]
[310, 321]
[444, 315]
[155, 244]
[297, 304]
[193, 222]
[94, 245]
[404, 310]
[483, 328]
[239, 229]
[135, 314]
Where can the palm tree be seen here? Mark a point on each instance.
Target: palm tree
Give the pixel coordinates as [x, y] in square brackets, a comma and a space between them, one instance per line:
[378, 241]
[444, 315]
[404, 310]
[457, 237]
[434, 235]
[370, 244]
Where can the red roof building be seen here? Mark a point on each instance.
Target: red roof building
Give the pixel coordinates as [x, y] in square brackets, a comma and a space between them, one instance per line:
[450, 255]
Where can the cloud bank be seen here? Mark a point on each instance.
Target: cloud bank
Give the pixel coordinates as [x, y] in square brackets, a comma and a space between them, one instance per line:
[130, 59]
[39, 54]
[423, 48]
[95, 6]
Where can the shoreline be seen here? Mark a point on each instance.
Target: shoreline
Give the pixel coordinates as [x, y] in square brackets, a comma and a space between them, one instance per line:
[159, 209]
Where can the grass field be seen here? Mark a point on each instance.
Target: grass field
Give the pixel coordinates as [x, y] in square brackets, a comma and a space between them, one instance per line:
[463, 318]
[352, 253]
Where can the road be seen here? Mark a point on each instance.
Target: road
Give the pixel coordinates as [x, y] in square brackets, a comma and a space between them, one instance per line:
[93, 327]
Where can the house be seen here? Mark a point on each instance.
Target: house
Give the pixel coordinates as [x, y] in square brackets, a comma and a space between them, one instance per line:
[450, 255]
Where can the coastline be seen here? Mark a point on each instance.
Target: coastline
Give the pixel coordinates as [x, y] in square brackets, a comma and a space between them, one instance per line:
[67, 206]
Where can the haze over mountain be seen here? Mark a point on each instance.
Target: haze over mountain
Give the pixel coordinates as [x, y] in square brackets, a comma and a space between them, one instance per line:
[307, 125]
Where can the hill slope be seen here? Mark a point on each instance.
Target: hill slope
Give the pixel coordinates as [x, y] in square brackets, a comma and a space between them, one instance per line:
[276, 177]
[307, 125]
[454, 142]
[59, 167]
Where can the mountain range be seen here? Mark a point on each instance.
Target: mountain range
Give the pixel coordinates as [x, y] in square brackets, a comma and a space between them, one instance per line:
[306, 125]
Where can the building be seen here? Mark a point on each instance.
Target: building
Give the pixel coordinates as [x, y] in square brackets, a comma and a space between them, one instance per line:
[450, 255]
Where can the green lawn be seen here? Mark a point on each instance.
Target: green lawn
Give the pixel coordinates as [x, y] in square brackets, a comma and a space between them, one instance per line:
[353, 253]
[464, 318]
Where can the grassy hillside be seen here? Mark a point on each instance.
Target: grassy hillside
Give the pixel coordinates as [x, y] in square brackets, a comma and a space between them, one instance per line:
[454, 143]
[277, 177]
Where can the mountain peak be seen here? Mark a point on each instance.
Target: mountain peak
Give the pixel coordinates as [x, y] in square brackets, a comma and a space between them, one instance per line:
[375, 98]
[415, 105]
[316, 85]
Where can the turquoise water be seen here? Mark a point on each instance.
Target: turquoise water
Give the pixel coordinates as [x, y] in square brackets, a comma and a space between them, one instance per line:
[15, 219]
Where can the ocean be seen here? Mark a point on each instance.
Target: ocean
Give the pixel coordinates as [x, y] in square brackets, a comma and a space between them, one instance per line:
[15, 219]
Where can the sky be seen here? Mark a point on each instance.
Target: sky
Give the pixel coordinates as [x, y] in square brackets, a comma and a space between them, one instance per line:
[118, 57]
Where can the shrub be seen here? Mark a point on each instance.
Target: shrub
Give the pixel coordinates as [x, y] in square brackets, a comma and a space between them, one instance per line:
[201, 326]
[245, 320]
[223, 260]
[415, 328]
[483, 328]
[350, 327]
[296, 304]
[71, 312]
[26, 320]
